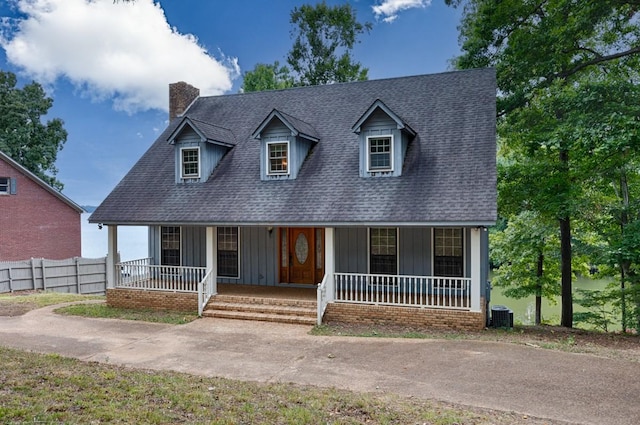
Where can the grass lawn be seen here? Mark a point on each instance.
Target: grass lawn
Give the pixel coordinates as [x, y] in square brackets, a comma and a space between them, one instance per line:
[146, 315]
[17, 303]
[48, 389]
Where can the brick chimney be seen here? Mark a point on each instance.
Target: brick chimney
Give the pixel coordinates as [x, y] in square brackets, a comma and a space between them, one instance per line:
[181, 95]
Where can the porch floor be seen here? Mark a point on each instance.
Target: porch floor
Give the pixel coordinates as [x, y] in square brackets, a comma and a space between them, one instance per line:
[308, 294]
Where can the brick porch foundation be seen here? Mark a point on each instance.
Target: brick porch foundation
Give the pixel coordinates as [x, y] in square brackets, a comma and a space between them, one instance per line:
[369, 314]
[157, 300]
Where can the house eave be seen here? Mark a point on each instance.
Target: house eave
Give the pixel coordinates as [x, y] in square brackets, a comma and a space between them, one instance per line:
[479, 224]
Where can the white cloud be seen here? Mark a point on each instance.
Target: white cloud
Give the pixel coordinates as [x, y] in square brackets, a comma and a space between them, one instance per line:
[388, 9]
[126, 51]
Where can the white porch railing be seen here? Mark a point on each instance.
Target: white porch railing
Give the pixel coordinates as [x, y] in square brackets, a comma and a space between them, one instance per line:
[420, 291]
[207, 287]
[140, 274]
[325, 294]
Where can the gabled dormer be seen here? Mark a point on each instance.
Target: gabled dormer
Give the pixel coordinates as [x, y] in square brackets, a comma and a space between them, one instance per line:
[383, 140]
[285, 142]
[199, 147]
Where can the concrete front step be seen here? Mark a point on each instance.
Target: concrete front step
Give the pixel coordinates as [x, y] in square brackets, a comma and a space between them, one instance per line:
[264, 309]
[241, 315]
[244, 299]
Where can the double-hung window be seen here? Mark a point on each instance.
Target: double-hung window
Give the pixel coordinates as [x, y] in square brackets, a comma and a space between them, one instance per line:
[5, 183]
[380, 153]
[228, 258]
[170, 246]
[383, 248]
[190, 163]
[277, 158]
[448, 251]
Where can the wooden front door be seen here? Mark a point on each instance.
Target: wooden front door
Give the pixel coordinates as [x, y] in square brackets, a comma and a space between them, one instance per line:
[301, 255]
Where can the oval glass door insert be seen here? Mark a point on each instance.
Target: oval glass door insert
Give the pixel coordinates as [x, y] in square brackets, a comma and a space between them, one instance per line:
[302, 248]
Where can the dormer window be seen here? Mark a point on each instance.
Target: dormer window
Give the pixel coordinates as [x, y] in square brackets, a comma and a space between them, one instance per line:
[285, 142]
[380, 153]
[278, 158]
[383, 139]
[190, 163]
[199, 148]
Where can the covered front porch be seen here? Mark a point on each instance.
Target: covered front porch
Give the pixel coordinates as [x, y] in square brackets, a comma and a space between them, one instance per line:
[457, 294]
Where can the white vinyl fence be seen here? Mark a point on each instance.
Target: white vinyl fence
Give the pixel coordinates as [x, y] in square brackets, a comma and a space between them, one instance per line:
[74, 275]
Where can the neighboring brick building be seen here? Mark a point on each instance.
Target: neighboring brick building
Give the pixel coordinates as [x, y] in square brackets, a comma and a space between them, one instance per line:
[36, 221]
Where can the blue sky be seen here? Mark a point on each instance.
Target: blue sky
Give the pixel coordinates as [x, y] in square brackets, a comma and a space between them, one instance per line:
[108, 66]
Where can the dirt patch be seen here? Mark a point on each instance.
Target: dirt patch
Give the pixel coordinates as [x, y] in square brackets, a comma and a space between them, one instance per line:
[13, 307]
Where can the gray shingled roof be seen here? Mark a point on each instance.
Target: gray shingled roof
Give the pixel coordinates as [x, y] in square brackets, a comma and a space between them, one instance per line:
[300, 127]
[449, 173]
[210, 132]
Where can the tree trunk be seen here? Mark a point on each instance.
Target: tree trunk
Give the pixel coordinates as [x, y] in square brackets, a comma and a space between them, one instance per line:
[566, 319]
[565, 259]
[624, 265]
[539, 274]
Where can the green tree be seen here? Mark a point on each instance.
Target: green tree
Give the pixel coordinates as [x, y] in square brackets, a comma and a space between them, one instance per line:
[539, 50]
[267, 77]
[23, 135]
[324, 37]
[526, 251]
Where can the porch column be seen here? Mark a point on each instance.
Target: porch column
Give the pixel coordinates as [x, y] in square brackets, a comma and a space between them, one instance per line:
[330, 261]
[212, 252]
[112, 255]
[476, 287]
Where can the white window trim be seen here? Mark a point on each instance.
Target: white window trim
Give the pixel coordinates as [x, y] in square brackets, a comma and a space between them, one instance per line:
[268, 165]
[8, 186]
[464, 250]
[368, 154]
[397, 248]
[190, 176]
[239, 251]
[160, 245]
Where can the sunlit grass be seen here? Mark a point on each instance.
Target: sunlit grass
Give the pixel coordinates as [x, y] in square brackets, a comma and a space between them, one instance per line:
[43, 299]
[40, 388]
[145, 315]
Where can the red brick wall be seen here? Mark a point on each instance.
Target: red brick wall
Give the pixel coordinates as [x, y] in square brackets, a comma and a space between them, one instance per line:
[157, 300]
[34, 223]
[404, 316]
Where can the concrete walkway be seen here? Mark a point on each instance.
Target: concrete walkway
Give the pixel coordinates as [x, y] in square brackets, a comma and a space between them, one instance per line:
[576, 388]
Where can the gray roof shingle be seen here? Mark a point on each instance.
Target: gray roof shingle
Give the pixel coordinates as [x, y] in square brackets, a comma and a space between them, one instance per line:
[449, 173]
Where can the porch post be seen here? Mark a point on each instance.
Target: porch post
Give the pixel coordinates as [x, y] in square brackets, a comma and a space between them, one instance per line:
[476, 287]
[330, 261]
[112, 255]
[212, 252]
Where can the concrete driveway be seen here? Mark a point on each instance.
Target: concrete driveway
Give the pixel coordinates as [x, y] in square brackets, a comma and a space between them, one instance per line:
[576, 388]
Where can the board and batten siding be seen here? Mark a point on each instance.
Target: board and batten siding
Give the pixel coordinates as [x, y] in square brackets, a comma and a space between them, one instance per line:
[193, 245]
[258, 257]
[351, 246]
[259, 248]
[415, 250]
[258, 253]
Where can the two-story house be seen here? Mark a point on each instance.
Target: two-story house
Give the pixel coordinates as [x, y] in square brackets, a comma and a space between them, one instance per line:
[372, 197]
